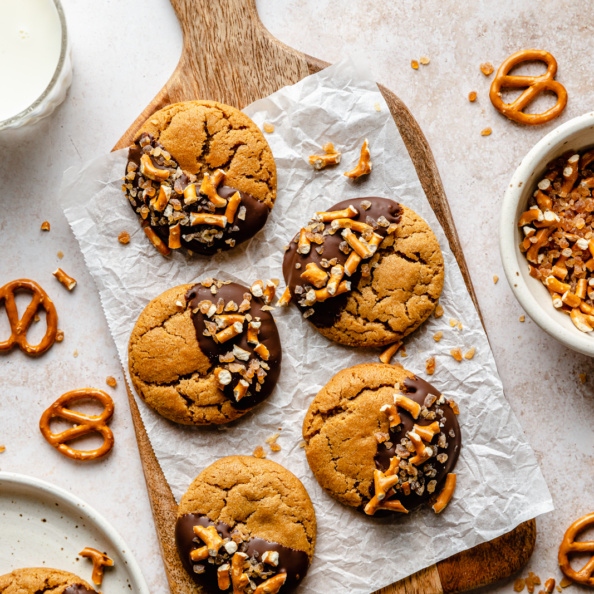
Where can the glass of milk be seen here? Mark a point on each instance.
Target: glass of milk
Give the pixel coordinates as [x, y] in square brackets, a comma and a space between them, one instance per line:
[35, 65]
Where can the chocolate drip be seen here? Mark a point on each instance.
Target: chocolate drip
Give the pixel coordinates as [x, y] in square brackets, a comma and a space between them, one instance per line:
[295, 563]
[255, 215]
[418, 389]
[78, 589]
[326, 312]
[268, 335]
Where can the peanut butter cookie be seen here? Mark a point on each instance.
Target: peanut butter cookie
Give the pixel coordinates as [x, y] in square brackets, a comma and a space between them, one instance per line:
[366, 273]
[246, 523]
[201, 176]
[41, 580]
[206, 353]
[380, 439]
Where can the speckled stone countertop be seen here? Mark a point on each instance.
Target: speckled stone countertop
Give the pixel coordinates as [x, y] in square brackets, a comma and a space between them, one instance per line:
[123, 53]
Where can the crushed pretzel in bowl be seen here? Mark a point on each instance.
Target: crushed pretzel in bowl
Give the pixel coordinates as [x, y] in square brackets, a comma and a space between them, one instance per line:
[558, 230]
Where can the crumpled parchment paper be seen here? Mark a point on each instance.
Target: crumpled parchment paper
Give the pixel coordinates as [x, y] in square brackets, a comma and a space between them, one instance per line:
[499, 482]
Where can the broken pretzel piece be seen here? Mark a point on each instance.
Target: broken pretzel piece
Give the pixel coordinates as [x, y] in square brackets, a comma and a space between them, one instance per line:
[446, 494]
[330, 157]
[212, 543]
[386, 356]
[272, 585]
[364, 165]
[65, 279]
[100, 561]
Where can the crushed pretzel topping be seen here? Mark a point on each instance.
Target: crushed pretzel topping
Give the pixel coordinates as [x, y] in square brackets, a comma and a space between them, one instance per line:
[124, 237]
[45, 226]
[268, 128]
[66, 280]
[486, 132]
[495, 279]
[271, 441]
[438, 311]
[330, 157]
[430, 366]
[472, 96]
[457, 354]
[386, 356]
[259, 452]
[469, 354]
[438, 336]
[111, 381]
[414, 64]
[424, 60]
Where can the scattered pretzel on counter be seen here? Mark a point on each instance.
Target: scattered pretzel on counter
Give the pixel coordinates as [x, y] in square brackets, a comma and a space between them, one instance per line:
[19, 327]
[570, 546]
[83, 423]
[533, 85]
[100, 561]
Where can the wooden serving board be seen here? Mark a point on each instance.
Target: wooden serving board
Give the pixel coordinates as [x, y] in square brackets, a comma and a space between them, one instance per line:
[228, 56]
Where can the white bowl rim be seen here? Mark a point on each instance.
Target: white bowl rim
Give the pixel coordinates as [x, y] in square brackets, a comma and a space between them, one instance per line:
[578, 341]
[40, 486]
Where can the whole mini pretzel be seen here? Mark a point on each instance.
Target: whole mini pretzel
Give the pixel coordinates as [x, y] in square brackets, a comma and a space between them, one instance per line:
[571, 546]
[84, 424]
[100, 560]
[534, 85]
[19, 327]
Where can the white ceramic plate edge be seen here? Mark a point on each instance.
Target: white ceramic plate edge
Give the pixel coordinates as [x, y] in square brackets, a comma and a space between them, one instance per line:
[36, 486]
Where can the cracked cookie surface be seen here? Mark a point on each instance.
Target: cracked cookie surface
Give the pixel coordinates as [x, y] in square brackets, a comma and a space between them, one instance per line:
[343, 423]
[42, 580]
[256, 503]
[187, 162]
[391, 293]
[176, 377]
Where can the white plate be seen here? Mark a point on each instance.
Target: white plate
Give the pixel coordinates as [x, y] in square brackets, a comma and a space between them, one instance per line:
[45, 526]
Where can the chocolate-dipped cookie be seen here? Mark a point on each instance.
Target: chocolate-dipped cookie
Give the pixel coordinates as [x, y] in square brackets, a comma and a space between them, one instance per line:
[366, 273]
[246, 525]
[200, 176]
[206, 353]
[39, 580]
[382, 440]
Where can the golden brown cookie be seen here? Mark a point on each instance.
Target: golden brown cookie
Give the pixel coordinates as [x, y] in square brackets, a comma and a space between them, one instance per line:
[205, 353]
[40, 580]
[201, 176]
[254, 518]
[366, 273]
[378, 438]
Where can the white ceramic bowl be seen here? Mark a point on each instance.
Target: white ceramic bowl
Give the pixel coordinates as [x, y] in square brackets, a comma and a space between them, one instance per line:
[533, 296]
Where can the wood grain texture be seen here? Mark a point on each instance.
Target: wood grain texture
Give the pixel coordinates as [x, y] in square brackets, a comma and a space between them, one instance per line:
[229, 56]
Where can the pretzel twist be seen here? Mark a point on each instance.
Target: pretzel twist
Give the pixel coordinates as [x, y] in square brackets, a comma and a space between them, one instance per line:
[19, 327]
[569, 546]
[534, 85]
[83, 423]
[100, 561]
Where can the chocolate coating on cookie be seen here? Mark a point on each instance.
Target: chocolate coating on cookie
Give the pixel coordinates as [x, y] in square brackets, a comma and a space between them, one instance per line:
[323, 314]
[423, 393]
[143, 192]
[290, 561]
[349, 441]
[268, 369]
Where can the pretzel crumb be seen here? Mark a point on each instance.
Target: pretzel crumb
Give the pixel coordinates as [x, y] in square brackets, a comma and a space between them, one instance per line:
[268, 128]
[469, 354]
[486, 132]
[453, 322]
[75, 354]
[457, 354]
[377, 107]
[414, 64]
[60, 254]
[549, 586]
[438, 311]
[36, 318]
[472, 96]
[302, 444]
[495, 279]
[271, 441]
[2, 449]
[583, 377]
[403, 352]
[565, 582]
[424, 60]
[124, 237]
[59, 336]
[430, 366]
[330, 157]
[522, 319]
[531, 581]
[487, 68]
[111, 381]
[519, 585]
[438, 336]
[259, 452]
[45, 226]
